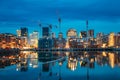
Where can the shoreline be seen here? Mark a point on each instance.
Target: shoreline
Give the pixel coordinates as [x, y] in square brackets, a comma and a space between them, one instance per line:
[17, 50]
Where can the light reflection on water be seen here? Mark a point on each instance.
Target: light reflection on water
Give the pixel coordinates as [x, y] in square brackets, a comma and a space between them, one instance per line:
[60, 66]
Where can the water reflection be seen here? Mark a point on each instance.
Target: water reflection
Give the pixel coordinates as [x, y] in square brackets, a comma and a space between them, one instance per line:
[63, 65]
[8, 60]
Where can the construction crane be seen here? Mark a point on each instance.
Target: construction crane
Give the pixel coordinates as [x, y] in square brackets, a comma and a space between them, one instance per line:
[48, 25]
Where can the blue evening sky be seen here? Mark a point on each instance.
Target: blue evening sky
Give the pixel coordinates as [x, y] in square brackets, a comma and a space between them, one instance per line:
[103, 15]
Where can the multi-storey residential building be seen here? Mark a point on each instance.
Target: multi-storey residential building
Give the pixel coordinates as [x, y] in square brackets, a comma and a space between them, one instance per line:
[111, 40]
[8, 40]
[34, 39]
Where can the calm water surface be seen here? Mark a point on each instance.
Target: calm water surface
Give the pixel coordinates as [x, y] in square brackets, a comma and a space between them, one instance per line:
[60, 66]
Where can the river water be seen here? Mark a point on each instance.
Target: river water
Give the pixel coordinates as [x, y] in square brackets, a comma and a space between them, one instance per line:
[28, 65]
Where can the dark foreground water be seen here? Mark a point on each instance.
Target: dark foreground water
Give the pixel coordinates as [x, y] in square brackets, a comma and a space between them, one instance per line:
[60, 66]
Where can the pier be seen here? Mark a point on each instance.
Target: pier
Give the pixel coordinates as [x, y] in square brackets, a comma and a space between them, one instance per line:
[73, 49]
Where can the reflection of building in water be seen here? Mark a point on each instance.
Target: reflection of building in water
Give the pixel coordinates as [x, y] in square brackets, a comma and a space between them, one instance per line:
[22, 66]
[23, 62]
[45, 56]
[111, 59]
[87, 61]
[47, 60]
[33, 60]
[92, 62]
[8, 60]
[72, 63]
[102, 58]
[117, 58]
[104, 54]
[47, 63]
[46, 72]
[46, 67]
[108, 58]
[84, 63]
[67, 53]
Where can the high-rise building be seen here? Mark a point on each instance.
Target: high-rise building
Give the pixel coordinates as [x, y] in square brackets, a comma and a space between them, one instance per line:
[102, 40]
[80, 35]
[34, 39]
[99, 39]
[53, 35]
[117, 40]
[71, 38]
[45, 32]
[83, 34]
[72, 33]
[91, 33]
[45, 43]
[18, 33]
[24, 35]
[8, 40]
[105, 38]
[24, 32]
[60, 35]
[111, 40]
[60, 41]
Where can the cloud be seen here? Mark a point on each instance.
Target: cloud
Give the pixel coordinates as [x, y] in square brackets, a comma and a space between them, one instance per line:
[25, 11]
[101, 10]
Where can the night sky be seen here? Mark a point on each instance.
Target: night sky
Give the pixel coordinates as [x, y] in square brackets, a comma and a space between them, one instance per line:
[103, 15]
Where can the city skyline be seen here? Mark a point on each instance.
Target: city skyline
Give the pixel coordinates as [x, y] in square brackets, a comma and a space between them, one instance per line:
[103, 16]
[59, 39]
